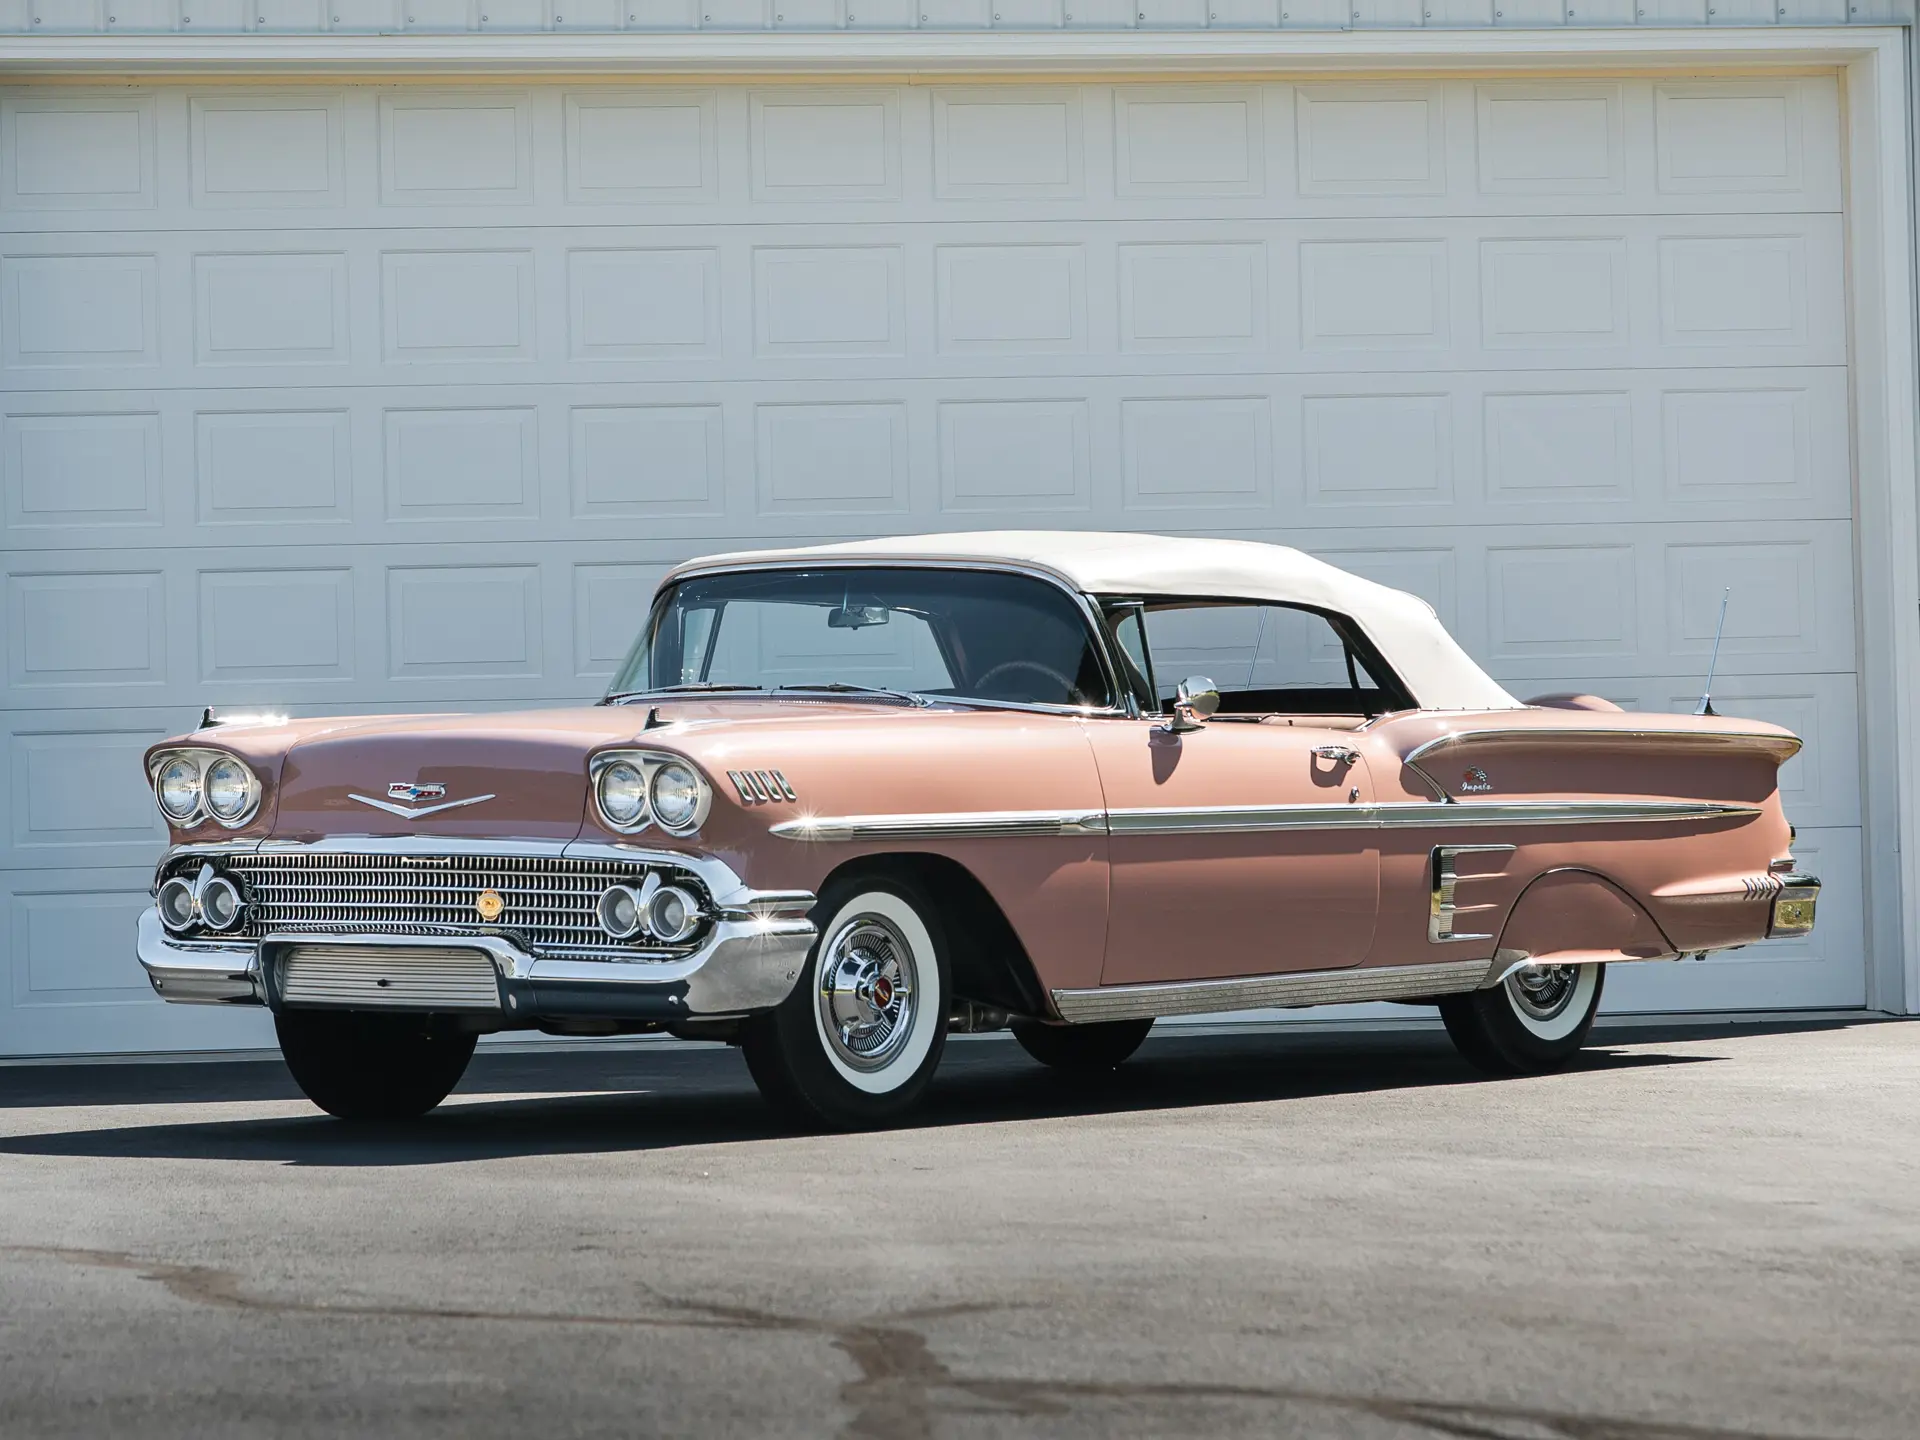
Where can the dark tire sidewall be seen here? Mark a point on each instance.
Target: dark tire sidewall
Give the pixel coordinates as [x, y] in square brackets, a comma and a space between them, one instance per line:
[1084, 1048]
[787, 1053]
[1488, 1028]
[359, 1066]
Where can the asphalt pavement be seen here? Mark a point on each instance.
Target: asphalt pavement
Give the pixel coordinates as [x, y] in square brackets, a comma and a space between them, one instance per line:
[1695, 1234]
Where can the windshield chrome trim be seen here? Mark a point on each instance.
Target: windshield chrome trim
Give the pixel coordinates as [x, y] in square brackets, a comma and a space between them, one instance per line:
[1089, 614]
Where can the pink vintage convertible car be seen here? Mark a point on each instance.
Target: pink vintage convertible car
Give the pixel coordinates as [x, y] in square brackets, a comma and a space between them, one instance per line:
[842, 800]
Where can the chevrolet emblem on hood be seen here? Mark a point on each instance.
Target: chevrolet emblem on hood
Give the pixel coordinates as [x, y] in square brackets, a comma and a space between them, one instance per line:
[400, 790]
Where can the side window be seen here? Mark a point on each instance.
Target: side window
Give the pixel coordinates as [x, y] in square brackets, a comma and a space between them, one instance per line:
[1265, 659]
[1128, 625]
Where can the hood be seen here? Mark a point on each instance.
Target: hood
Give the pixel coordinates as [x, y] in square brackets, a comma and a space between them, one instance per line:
[518, 776]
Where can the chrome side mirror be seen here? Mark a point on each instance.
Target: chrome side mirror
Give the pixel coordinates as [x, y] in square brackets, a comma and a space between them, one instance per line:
[1196, 699]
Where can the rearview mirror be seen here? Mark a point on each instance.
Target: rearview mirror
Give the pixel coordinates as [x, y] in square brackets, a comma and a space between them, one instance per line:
[857, 617]
[1196, 699]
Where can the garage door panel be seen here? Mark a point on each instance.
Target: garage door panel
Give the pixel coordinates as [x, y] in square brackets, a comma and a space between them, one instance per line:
[423, 307]
[382, 398]
[464, 157]
[72, 982]
[468, 463]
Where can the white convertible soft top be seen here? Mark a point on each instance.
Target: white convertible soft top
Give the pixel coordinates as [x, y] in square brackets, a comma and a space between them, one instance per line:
[1404, 627]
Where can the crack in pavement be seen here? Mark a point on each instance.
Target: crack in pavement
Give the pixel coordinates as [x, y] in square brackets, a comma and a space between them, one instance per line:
[902, 1386]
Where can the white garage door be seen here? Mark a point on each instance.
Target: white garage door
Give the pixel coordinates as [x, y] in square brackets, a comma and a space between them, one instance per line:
[383, 398]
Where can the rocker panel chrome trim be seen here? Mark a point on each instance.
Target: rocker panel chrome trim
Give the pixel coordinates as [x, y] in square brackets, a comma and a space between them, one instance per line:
[1311, 987]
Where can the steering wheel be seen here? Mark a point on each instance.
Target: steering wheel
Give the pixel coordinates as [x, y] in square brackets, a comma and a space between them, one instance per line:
[1066, 686]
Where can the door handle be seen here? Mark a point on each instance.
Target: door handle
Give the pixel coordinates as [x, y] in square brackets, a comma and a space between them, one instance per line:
[1339, 754]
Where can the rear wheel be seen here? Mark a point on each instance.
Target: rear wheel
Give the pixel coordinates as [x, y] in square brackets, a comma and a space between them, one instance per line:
[1534, 1021]
[857, 1041]
[373, 1067]
[1082, 1048]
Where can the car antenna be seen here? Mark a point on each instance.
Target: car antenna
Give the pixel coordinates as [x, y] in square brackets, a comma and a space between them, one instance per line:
[1706, 694]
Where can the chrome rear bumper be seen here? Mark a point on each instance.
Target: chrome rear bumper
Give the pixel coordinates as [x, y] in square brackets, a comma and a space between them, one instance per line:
[1793, 907]
[750, 961]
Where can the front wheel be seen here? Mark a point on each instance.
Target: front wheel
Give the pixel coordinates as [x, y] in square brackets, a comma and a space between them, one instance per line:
[1534, 1021]
[1083, 1049]
[373, 1067]
[857, 1041]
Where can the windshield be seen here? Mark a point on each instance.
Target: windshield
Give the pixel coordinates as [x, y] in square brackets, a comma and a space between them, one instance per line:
[933, 633]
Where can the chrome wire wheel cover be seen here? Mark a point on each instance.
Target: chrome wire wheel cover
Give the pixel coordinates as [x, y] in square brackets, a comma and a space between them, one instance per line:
[868, 985]
[1543, 992]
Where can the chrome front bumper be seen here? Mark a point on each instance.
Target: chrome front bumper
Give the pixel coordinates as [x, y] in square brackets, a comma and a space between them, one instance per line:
[750, 961]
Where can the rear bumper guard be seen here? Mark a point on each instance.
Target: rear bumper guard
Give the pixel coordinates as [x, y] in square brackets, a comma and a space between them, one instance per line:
[750, 962]
[1793, 907]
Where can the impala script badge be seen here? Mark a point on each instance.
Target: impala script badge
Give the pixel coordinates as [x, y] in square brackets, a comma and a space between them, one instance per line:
[400, 796]
[1475, 782]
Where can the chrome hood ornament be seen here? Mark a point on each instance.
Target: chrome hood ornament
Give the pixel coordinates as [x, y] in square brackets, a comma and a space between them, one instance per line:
[407, 795]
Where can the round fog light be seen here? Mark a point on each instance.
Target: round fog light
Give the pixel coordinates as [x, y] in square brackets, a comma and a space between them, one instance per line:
[220, 903]
[176, 904]
[619, 912]
[672, 914]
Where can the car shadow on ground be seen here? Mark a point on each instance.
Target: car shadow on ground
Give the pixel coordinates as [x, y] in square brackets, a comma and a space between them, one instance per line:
[667, 1097]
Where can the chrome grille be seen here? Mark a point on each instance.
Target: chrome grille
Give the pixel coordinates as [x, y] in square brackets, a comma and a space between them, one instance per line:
[376, 977]
[548, 900]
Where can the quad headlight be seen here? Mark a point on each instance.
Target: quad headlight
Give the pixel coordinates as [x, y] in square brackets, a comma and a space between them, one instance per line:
[622, 793]
[177, 787]
[193, 785]
[634, 788]
[676, 795]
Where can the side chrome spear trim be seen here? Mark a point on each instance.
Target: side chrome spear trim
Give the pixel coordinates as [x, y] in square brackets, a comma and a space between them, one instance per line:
[1247, 819]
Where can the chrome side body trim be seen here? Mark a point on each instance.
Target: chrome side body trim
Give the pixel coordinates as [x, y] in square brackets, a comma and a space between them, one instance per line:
[1237, 819]
[1423, 813]
[1441, 906]
[1311, 987]
[1245, 819]
[961, 826]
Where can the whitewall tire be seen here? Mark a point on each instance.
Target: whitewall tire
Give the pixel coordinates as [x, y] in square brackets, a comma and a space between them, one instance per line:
[1534, 1021]
[857, 1041]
